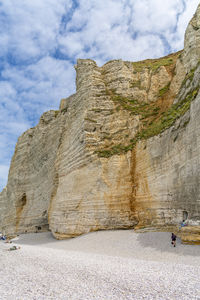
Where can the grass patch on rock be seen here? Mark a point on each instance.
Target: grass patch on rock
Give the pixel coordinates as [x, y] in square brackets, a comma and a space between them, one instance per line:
[135, 107]
[155, 64]
[155, 126]
[152, 64]
[135, 84]
[190, 75]
[164, 90]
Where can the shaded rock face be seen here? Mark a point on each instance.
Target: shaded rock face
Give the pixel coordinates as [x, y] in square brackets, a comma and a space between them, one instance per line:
[169, 165]
[123, 152]
[31, 177]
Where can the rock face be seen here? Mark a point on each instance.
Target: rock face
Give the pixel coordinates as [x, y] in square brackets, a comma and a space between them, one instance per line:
[123, 152]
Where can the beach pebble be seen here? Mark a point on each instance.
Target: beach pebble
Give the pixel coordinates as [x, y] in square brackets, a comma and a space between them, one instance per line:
[109, 265]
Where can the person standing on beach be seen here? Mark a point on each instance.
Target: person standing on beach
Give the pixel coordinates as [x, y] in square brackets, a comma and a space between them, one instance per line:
[173, 238]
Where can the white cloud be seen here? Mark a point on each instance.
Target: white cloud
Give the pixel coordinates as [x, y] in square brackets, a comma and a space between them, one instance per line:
[155, 15]
[177, 38]
[44, 82]
[114, 29]
[31, 26]
[41, 40]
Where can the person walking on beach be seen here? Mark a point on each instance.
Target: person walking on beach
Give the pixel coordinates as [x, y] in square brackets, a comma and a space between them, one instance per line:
[173, 238]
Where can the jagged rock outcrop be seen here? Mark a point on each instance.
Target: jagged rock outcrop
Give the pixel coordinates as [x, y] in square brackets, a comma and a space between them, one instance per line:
[123, 152]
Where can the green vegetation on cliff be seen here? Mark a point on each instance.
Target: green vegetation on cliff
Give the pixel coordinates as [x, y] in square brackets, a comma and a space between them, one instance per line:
[189, 77]
[152, 64]
[135, 107]
[163, 90]
[153, 120]
[169, 117]
[155, 64]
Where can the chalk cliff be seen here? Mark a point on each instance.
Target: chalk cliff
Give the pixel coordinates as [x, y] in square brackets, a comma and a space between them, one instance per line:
[123, 152]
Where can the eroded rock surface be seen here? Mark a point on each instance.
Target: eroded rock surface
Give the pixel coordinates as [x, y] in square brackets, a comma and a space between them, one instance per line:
[122, 152]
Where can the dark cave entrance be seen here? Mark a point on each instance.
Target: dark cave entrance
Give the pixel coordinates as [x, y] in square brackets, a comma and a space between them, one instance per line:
[185, 215]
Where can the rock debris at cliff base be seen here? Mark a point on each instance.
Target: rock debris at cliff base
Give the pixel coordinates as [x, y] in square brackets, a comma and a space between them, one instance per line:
[103, 265]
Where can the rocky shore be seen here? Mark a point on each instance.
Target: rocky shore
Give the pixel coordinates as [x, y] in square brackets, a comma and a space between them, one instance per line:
[102, 265]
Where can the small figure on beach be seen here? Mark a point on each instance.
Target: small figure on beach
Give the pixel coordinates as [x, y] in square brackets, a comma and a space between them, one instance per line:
[13, 248]
[173, 238]
[183, 224]
[2, 237]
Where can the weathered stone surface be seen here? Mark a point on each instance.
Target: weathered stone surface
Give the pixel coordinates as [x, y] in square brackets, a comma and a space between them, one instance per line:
[192, 42]
[97, 193]
[117, 154]
[31, 177]
[97, 196]
[167, 171]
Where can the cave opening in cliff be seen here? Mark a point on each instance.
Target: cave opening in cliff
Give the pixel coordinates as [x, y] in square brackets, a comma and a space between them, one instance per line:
[19, 208]
[185, 215]
[22, 201]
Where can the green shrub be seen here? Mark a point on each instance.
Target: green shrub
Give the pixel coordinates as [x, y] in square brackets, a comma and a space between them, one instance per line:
[164, 90]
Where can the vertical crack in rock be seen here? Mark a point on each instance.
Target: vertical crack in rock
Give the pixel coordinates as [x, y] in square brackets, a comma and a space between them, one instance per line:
[134, 183]
[55, 172]
[20, 205]
[143, 202]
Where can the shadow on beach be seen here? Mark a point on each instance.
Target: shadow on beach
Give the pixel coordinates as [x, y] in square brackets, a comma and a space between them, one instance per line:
[161, 241]
[155, 246]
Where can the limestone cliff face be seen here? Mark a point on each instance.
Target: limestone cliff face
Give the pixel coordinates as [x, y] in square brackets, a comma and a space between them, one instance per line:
[31, 178]
[192, 42]
[122, 152]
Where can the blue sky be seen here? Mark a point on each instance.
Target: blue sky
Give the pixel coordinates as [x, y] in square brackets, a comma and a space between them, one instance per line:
[40, 42]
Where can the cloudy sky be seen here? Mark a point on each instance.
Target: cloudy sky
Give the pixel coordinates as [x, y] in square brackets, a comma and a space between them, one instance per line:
[40, 41]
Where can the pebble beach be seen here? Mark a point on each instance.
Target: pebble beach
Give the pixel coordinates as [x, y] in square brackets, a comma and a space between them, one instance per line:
[104, 265]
